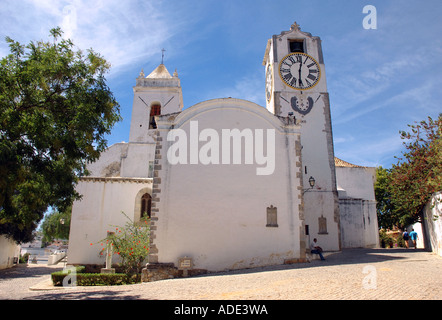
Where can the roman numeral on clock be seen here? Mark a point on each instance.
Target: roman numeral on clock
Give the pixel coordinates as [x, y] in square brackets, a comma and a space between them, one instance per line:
[287, 76]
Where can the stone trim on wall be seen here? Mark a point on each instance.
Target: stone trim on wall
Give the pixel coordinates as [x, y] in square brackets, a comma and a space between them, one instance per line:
[156, 192]
[299, 175]
[331, 157]
[116, 179]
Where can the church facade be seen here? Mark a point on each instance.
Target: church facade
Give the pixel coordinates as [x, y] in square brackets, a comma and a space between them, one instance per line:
[226, 182]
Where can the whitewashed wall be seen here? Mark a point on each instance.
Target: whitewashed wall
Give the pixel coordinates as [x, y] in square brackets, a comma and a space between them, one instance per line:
[100, 211]
[8, 250]
[357, 205]
[433, 224]
[216, 214]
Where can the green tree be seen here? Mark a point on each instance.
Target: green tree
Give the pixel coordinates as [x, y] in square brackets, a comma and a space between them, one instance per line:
[55, 110]
[387, 215]
[56, 225]
[418, 175]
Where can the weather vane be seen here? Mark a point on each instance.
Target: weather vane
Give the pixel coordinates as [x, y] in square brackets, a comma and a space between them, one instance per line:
[162, 55]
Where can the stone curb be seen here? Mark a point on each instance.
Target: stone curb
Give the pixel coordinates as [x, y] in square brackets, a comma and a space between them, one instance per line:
[45, 285]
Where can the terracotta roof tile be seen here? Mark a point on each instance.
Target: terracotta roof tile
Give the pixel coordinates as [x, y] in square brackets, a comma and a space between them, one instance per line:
[342, 163]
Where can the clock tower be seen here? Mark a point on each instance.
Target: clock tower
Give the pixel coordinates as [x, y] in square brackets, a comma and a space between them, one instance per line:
[296, 87]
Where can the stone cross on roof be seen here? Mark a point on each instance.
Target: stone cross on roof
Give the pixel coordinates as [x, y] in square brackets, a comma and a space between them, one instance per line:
[296, 26]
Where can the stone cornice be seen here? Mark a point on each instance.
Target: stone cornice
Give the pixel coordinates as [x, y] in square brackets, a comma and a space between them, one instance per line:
[116, 179]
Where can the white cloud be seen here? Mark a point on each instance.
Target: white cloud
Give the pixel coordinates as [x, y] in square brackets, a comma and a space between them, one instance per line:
[371, 153]
[250, 87]
[122, 31]
[405, 76]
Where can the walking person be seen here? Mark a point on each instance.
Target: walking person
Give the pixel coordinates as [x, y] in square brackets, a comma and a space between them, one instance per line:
[406, 238]
[315, 248]
[414, 237]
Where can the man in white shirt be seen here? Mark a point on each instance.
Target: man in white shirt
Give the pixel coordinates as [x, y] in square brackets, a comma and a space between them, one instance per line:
[315, 248]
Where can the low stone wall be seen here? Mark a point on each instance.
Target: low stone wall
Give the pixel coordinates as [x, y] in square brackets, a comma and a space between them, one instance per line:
[163, 271]
[151, 272]
[56, 257]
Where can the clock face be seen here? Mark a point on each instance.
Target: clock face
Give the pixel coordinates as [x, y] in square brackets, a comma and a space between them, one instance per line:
[299, 71]
[269, 82]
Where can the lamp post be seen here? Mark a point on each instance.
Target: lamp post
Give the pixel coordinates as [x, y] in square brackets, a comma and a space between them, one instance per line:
[65, 259]
[311, 182]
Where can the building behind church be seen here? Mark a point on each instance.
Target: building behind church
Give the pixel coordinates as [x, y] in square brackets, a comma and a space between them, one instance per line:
[226, 182]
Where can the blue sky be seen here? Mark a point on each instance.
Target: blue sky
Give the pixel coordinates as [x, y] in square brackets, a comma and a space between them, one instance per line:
[379, 80]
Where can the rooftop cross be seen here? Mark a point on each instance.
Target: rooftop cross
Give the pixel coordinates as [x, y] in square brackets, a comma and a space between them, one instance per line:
[162, 55]
[296, 26]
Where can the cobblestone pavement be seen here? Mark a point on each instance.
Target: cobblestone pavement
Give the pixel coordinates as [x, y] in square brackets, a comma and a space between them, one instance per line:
[349, 275]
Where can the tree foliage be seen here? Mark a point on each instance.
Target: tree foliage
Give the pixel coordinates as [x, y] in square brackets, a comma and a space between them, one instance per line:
[56, 225]
[387, 215]
[55, 110]
[418, 174]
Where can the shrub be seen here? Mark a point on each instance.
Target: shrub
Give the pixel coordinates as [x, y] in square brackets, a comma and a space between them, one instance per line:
[95, 279]
[386, 240]
[400, 241]
[24, 258]
[57, 277]
[130, 243]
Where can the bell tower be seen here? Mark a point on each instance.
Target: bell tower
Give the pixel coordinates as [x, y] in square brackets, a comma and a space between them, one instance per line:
[155, 94]
[296, 87]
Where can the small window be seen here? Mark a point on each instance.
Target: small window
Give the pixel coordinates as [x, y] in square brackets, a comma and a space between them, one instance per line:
[296, 46]
[322, 225]
[272, 218]
[146, 204]
[155, 110]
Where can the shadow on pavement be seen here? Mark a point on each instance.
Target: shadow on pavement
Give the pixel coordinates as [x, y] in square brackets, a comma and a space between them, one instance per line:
[84, 295]
[346, 256]
[26, 271]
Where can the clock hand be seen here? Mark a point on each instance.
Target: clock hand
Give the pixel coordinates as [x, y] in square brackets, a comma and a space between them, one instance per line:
[299, 71]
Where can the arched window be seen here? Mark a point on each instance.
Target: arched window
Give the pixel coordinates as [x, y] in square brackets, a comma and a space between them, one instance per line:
[146, 204]
[155, 110]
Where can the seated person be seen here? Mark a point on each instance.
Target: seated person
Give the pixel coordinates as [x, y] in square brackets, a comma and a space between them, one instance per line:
[315, 248]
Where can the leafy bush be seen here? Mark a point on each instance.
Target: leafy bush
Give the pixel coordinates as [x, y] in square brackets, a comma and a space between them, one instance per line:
[386, 240]
[24, 258]
[94, 279]
[400, 241]
[57, 277]
[130, 243]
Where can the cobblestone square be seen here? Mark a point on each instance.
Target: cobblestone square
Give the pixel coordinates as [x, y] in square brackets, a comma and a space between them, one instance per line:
[352, 274]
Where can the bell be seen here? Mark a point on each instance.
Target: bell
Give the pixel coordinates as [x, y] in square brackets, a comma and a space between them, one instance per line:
[296, 46]
[153, 124]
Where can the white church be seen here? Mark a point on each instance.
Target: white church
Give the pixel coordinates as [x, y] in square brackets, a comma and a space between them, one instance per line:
[227, 183]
